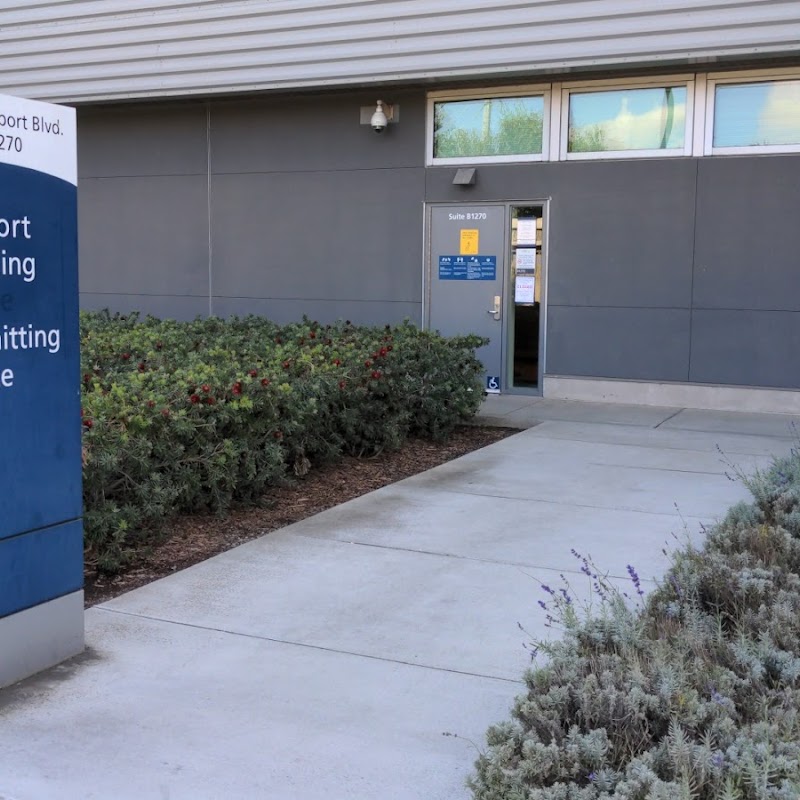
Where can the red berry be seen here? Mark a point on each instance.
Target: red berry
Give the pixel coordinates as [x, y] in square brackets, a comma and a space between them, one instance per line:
[265, 381]
[194, 398]
[126, 356]
[375, 374]
[206, 388]
[278, 435]
[237, 388]
[389, 348]
[87, 378]
[253, 373]
[342, 384]
[287, 364]
[337, 362]
[88, 423]
[165, 412]
[142, 366]
[367, 363]
[210, 401]
[313, 334]
[151, 403]
[383, 351]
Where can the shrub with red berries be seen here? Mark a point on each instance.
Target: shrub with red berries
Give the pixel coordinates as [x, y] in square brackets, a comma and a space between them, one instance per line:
[178, 429]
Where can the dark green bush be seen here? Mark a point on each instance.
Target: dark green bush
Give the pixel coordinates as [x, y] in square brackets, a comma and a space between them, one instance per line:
[693, 693]
[189, 417]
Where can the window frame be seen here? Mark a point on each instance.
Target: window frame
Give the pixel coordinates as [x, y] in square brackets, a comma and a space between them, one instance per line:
[685, 81]
[528, 90]
[739, 78]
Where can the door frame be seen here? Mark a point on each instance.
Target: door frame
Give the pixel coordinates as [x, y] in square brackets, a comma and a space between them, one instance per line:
[506, 355]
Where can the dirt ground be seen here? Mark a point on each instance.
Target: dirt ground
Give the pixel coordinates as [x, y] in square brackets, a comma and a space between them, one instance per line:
[189, 540]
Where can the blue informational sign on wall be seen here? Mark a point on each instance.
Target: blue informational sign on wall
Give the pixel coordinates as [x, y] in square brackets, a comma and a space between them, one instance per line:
[41, 538]
[467, 268]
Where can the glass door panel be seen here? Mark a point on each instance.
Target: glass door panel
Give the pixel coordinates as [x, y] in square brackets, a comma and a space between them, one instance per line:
[525, 291]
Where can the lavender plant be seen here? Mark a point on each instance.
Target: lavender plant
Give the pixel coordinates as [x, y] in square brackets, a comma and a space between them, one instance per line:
[690, 692]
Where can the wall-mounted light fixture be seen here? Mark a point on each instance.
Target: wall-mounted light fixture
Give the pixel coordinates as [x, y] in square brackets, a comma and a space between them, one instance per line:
[379, 116]
[465, 176]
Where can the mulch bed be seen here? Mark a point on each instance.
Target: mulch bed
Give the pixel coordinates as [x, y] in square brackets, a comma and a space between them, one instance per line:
[191, 539]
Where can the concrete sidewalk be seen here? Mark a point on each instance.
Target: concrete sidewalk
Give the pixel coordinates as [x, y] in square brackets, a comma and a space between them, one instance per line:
[327, 660]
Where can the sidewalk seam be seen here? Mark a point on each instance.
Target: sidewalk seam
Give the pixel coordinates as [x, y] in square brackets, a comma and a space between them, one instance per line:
[303, 644]
[671, 416]
[439, 554]
[574, 505]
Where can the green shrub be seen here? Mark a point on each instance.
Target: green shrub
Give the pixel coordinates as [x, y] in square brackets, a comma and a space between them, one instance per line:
[693, 693]
[190, 417]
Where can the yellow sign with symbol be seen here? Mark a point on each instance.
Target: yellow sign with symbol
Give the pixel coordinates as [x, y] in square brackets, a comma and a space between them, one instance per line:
[469, 242]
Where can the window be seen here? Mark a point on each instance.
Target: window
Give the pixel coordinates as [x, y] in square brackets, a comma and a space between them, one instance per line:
[503, 127]
[621, 118]
[626, 121]
[753, 116]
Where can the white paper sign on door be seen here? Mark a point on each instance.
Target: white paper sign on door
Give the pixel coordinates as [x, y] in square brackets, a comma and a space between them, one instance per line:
[526, 260]
[526, 230]
[524, 289]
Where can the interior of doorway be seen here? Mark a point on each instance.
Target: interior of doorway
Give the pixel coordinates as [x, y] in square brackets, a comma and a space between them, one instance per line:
[526, 277]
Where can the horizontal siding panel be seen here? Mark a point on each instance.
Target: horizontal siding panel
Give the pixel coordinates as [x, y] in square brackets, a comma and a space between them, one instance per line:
[83, 50]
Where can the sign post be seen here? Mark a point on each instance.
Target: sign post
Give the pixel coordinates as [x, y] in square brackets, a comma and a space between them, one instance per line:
[41, 534]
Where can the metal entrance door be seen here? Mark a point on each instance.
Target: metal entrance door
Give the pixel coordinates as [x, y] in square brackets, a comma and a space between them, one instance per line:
[466, 278]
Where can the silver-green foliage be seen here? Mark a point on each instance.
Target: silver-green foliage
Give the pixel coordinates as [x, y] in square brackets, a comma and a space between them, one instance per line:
[692, 694]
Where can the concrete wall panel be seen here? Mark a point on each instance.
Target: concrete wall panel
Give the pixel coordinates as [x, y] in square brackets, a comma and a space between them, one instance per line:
[137, 140]
[319, 235]
[144, 236]
[640, 344]
[750, 348]
[748, 239]
[621, 234]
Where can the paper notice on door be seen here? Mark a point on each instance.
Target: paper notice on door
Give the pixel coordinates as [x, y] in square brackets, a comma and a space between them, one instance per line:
[524, 288]
[526, 230]
[469, 242]
[526, 260]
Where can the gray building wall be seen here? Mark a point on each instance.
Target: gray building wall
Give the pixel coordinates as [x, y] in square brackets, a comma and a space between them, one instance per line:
[659, 269]
[143, 209]
[275, 207]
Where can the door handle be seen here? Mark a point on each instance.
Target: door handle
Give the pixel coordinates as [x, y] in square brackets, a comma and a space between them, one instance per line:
[496, 310]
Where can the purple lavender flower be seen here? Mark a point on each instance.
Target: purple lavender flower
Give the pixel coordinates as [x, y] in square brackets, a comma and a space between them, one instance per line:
[717, 697]
[635, 580]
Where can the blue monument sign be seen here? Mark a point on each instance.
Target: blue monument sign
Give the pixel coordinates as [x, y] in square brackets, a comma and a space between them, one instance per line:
[41, 535]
